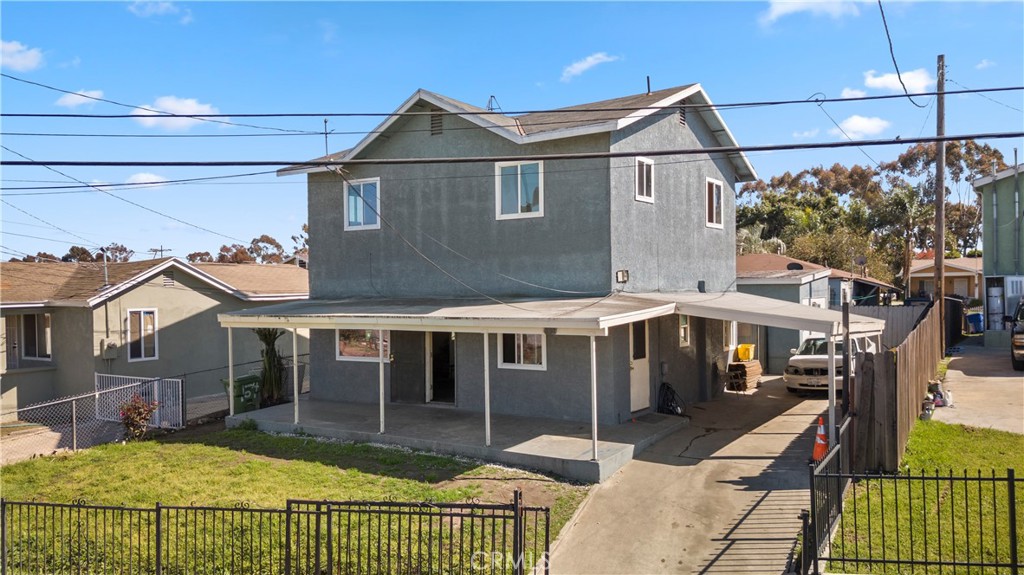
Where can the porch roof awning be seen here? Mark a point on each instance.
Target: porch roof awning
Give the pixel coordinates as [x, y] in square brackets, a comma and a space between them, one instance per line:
[569, 316]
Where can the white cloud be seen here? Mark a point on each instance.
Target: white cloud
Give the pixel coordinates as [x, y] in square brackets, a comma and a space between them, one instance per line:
[834, 9]
[72, 63]
[145, 178]
[859, 127]
[852, 93]
[173, 105]
[328, 31]
[149, 8]
[985, 63]
[79, 98]
[580, 66]
[806, 134]
[19, 57]
[916, 81]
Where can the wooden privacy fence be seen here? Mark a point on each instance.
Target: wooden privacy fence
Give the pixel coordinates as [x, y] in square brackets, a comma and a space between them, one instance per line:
[890, 387]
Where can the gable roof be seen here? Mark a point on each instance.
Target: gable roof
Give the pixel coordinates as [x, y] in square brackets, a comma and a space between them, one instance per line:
[24, 284]
[845, 275]
[972, 265]
[985, 180]
[758, 268]
[579, 120]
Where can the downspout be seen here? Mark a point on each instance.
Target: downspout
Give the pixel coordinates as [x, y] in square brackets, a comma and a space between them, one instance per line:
[1016, 212]
[995, 223]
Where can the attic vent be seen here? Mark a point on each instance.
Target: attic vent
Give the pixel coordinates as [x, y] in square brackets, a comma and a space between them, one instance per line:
[435, 121]
[792, 266]
[303, 264]
[682, 116]
[169, 279]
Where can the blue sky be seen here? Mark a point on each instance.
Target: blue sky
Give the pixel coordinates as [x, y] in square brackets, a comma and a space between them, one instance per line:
[265, 57]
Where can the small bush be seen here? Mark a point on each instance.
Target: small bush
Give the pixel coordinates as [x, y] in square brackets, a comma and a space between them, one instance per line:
[135, 416]
[248, 425]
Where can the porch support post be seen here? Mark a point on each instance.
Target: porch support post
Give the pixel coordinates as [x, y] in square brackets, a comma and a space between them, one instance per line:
[380, 362]
[487, 390]
[832, 389]
[295, 373]
[593, 399]
[231, 375]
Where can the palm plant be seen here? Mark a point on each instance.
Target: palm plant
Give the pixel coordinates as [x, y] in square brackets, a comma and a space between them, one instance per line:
[272, 371]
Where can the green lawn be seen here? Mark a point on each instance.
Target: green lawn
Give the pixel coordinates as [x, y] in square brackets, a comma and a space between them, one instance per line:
[961, 521]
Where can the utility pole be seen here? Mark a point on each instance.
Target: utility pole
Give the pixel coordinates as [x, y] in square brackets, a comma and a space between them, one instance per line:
[939, 240]
[160, 250]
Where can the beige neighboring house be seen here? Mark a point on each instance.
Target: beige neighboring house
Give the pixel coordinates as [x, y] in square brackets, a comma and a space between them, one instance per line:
[963, 277]
[64, 322]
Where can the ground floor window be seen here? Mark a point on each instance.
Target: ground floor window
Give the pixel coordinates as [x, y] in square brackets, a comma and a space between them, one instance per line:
[684, 330]
[522, 351]
[362, 344]
[35, 335]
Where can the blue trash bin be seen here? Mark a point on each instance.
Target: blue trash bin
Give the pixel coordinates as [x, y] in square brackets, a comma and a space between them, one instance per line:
[976, 321]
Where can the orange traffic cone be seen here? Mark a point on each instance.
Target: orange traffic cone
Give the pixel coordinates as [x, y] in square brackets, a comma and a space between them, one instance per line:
[820, 442]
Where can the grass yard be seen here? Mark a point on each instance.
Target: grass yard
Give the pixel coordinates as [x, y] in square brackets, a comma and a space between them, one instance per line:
[959, 521]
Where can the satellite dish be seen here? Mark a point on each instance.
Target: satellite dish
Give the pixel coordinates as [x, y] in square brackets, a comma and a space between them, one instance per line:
[860, 260]
[794, 266]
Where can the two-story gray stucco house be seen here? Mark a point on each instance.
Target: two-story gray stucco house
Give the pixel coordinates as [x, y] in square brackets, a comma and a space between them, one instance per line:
[557, 264]
[1001, 196]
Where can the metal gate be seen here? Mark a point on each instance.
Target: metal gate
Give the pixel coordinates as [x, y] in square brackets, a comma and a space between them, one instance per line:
[113, 391]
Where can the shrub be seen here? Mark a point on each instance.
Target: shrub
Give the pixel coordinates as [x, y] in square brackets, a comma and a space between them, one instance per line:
[135, 416]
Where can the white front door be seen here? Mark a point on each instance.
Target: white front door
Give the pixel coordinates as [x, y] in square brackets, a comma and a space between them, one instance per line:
[639, 367]
[960, 286]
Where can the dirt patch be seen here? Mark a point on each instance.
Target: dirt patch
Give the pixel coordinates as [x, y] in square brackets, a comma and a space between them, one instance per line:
[497, 484]
[190, 432]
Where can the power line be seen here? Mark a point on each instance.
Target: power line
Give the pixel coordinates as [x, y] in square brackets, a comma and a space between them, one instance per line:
[131, 185]
[54, 226]
[157, 113]
[893, 54]
[843, 131]
[517, 158]
[115, 196]
[983, 96]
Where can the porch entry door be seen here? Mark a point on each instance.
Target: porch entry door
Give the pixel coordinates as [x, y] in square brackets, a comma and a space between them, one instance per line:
[639, 367]
[408, 363]
[960, 286]
[11, 345]
[440, 370]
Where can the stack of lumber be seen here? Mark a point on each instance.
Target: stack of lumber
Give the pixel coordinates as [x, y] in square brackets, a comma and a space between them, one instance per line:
[743, 375]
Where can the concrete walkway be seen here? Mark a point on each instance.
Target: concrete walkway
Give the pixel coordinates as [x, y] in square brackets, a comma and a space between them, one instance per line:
[720, 496]
[987, 392]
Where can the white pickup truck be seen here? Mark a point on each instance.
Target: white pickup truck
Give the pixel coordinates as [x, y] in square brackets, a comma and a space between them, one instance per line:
[807, 370]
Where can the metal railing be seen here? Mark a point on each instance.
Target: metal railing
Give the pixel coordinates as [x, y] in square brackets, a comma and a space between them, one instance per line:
[306, 537]
[828, 486]
[113, 391]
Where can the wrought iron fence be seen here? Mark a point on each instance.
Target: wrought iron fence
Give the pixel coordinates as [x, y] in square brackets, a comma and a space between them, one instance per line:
[306, 537]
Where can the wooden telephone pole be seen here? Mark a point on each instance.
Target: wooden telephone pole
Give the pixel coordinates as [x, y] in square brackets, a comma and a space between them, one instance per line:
[939, 240]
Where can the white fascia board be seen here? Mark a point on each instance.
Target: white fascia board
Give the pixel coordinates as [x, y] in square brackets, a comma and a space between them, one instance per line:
[274, 297]
[638, 315]
[998, 176]
[25, 304]
[773, 281]
[470, 325]
[115, 290]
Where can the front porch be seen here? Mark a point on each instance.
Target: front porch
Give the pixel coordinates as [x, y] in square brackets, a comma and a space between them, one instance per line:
[550, 445]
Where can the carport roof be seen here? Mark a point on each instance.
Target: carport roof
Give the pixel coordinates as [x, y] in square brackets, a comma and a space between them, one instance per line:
[570, 316]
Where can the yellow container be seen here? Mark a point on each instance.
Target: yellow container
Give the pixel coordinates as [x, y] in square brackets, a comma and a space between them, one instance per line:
[745, 351]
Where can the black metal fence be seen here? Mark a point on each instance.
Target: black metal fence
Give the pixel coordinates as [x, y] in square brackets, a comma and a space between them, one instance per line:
[307, 537]
[918, 523]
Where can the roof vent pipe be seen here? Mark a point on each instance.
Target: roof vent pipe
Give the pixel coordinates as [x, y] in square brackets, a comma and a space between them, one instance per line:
[648, 85]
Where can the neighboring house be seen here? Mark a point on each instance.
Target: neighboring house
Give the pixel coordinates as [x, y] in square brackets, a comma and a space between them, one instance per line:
[962, 277]
[785, 278]
[63, 322]
[1002, 209]
[866, 289]
[564, 288]
[299, 258]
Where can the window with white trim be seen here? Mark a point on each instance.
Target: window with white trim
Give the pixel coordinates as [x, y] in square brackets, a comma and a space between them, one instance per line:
[522, 351]
[714, 203]
[362, 204]
[362, 344]
[518, 190]
[645, 180]
[142, 337]
[728, 335]
[35, 336]
[684, 330]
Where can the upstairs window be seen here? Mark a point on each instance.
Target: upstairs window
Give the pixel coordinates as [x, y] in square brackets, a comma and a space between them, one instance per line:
[522, 351]
[142, 343]
[714, 204]
[362, 204]
[35, 332]
[519, 190]
[644, 180]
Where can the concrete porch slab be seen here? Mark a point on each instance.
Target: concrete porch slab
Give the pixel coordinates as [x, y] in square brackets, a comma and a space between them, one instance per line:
[559, 447]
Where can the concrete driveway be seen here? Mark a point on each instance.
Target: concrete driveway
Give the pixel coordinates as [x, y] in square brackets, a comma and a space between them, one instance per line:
[987, 392]
[720, 496]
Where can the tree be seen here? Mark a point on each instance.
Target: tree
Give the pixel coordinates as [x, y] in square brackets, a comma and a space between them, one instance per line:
[78, 254]
[117, 253]
[301, 240]
[234, 254]
[904, 218]
[749, 241]
[963, 222]
[40, 257]
[965, 161]
[198, 257]
[266, 250]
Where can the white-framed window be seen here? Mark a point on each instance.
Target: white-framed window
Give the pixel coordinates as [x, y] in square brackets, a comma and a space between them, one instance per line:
[728, 335]
[361, 345]
[522, 351]
[35, 336]
[362, 204]
[645, 180]
[713, 201]
[142, 337]
[518, 190]
[684, 330]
